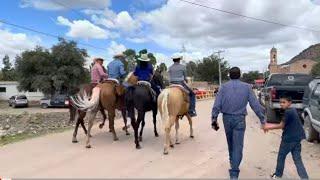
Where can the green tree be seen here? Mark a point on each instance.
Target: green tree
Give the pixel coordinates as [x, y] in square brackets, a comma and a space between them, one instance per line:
[208, 69]
[251, 76]
[191, 69]
[163, 67]
[131, 61]
[316, 69]
[8, 72]
[153, 59]
[59, 71]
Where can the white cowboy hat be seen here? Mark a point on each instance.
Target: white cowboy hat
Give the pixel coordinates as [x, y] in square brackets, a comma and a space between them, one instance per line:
[176, 56]
[144, 57]
[119, 55]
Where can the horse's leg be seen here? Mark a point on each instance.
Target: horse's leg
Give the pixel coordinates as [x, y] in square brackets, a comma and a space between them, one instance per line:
[111, 115]
[75, 132]
[104, 116]
[80, 118]
[91, 117]
[124, 116]
[177, 130]
[168, 142]
[137, 124]
[190, 123]
[143, 123]
[154, 113]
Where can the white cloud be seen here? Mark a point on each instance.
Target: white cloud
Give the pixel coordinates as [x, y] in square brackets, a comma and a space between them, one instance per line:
[83, 29]
[138, 40]
[115, 48]
[247, 42]
[65, 4]
[13, 44]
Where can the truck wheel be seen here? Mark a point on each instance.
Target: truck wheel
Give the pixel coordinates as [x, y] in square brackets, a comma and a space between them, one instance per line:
[44, 106]
[311, 133]
[271, 115]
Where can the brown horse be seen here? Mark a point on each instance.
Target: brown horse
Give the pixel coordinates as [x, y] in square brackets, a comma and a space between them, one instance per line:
[79, 115]
[109, 96]
[173, 104]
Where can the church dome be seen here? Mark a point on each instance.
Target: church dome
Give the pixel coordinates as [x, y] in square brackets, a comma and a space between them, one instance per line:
[273, 49]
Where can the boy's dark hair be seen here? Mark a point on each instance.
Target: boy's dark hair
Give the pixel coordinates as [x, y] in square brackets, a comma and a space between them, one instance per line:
[176, 60]
[288, 98]
[235, 73]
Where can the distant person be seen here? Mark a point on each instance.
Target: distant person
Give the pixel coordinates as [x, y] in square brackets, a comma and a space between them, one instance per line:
[292, 136]
[232, 100]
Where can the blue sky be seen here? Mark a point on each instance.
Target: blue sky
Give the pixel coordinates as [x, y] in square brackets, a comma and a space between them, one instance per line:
[163, 26]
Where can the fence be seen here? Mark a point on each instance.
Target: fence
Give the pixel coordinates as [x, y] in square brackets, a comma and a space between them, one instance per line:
[203, 95]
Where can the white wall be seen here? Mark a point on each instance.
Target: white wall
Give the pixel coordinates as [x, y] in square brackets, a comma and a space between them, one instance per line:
[11, 90]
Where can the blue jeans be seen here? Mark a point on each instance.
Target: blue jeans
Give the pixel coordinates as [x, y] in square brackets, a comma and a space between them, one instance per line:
[295, 149]
[235, 126]
[192, 95]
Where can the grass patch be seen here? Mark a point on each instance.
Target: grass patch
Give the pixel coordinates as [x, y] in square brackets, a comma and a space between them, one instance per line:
[23, 136]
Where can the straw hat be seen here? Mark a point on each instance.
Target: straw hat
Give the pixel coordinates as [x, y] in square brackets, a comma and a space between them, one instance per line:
[144, 57]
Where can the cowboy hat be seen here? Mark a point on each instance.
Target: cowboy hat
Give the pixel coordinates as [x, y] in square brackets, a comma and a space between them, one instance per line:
[144, 57]
[119, 55]
[176, 56]
[98, 59]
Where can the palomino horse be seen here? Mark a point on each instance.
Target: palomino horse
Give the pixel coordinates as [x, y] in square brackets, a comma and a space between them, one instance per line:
[109, 96]
[173, 103]
[79, 115]
[139, 97]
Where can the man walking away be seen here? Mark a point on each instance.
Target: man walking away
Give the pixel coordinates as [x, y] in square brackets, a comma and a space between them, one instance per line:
[231, 101]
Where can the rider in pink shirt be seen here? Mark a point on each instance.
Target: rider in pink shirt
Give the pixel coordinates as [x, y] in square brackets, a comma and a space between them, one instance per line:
[98, 73]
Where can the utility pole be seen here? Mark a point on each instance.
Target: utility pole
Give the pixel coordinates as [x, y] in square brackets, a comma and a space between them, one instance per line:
[219, 52]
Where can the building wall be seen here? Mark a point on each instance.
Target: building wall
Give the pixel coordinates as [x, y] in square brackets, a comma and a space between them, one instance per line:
[302, 66]
[11, 90]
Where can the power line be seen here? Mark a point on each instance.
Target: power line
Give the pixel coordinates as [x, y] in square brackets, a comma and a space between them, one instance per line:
[249, 17]
[46, 34]
[68, 7]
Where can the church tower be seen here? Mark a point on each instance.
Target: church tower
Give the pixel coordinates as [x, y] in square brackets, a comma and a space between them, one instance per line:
[273, 66]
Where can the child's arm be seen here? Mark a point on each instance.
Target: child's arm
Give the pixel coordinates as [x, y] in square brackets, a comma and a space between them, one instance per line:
[271, 126]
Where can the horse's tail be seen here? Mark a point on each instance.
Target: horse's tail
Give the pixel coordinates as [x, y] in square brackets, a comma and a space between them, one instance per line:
[86, 102]
[164, 106]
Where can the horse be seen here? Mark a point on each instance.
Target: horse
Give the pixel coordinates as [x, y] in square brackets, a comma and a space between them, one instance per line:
[138, 97]
[109, 96]
[173, 103]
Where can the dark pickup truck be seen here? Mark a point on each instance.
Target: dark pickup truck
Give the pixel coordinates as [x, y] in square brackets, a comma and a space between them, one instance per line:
[277, 85]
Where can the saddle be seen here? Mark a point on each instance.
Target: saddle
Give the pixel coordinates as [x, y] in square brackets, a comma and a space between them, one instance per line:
[120, 90]
[144, 83]
[185, 92]
[112, 80]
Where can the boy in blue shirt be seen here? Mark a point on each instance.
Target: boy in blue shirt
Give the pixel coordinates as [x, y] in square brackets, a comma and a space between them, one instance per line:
[292, 136]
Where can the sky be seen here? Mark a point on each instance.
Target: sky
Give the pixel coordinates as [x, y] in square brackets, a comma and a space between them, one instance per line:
[164, 26]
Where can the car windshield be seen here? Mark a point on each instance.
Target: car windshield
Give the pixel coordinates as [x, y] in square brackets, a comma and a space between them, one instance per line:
[289, 80]
[21, 97]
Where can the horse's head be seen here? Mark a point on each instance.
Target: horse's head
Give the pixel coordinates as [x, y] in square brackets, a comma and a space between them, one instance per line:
[157, 79]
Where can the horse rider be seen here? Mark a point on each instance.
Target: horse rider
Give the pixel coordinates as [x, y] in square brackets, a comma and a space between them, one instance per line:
[144, 72]
[178, 75]
[98, 72]
[116, 67]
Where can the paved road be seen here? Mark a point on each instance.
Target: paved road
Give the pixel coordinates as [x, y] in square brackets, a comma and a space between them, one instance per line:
[54, 156]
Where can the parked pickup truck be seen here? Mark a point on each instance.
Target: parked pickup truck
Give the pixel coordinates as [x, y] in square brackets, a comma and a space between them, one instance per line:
[311, 113]
[277, 85]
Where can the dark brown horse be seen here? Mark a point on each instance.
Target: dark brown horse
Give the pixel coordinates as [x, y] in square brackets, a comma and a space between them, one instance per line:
[109, 96]
[79, 115]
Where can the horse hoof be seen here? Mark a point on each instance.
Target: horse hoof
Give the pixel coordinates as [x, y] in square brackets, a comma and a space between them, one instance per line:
[90, 135]
[88, 146]
[74, 141]
[157, 135]
[138, 147]
[172, 146]
[140, 138]
[128, 134]
[101, 126]
[177, 142]
[116, 139]
[192, 137]
[165, 153]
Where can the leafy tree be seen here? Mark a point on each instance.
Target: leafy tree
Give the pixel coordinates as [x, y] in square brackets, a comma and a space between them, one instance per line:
[59, 71]
[191, 69]
[131, 57]
[316, 69]
[8, 72]
[153, 59]
[208, 69]
[1, 76]
[143, 51]
[251, 76]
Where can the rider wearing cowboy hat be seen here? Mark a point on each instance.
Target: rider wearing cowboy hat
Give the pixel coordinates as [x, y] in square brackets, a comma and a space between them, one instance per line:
[144, 72]
[98, 72]
[178, 75]
[116, 67]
